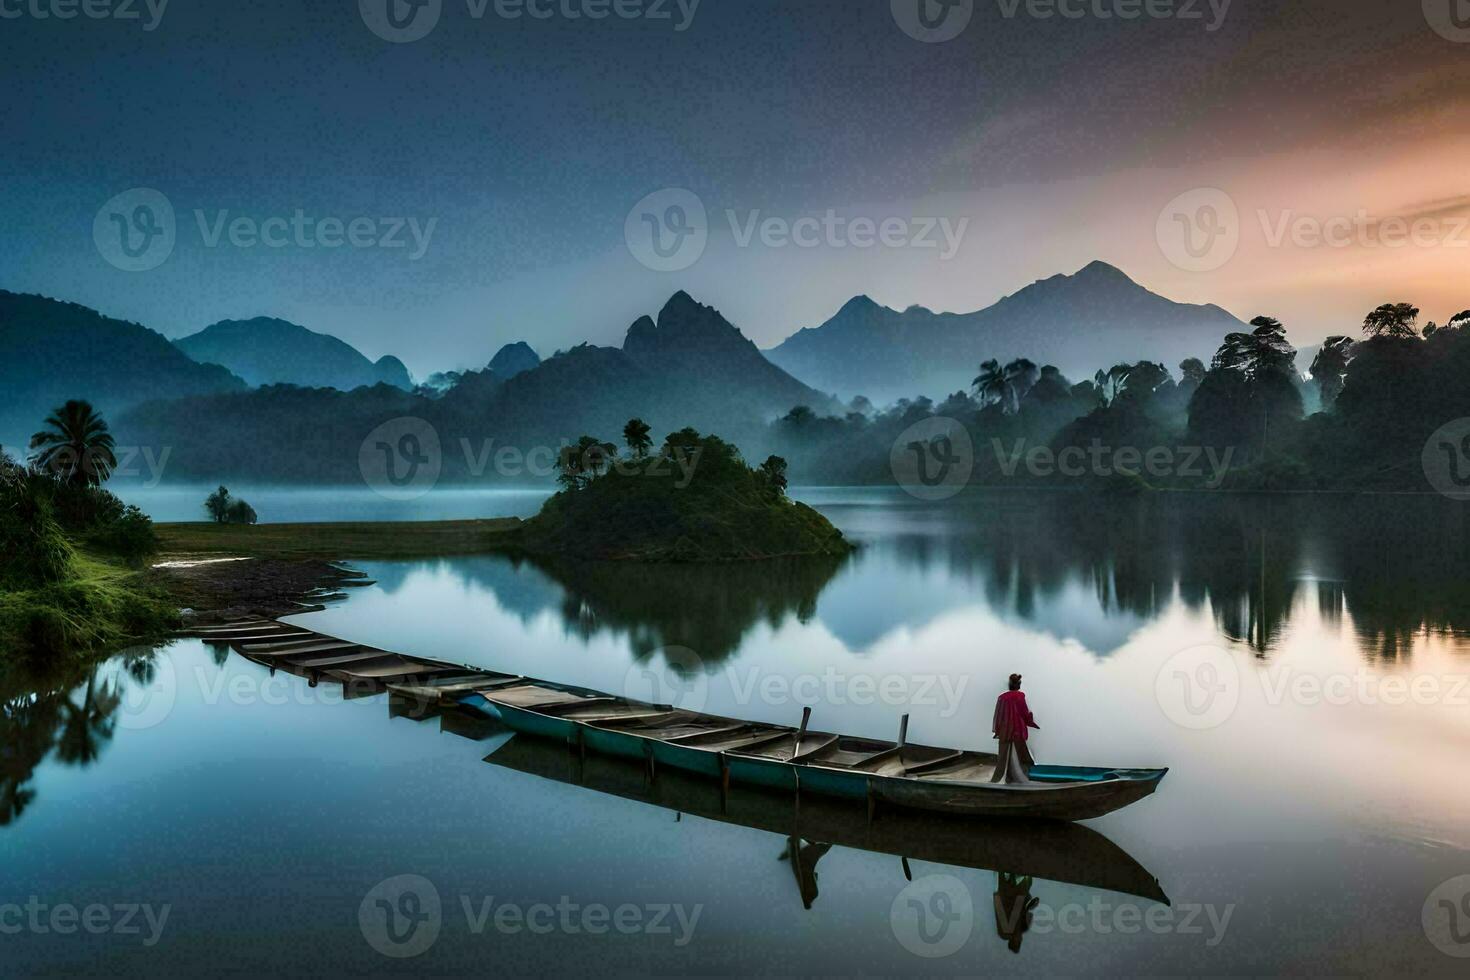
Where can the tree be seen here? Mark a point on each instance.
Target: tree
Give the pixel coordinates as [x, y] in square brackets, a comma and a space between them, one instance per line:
[1264, 351]
[636, 435]
[1459, 321]
[990, 385]
[1396, 321]
[1329, 368]
[217, 505]
[800, 416]
[1191, 371]
[773, 474]
[75, 447]
[1020, 377]
[241, 513]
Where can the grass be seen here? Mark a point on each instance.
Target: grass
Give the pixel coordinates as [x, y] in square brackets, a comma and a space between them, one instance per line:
[365, 541]
[102, 605]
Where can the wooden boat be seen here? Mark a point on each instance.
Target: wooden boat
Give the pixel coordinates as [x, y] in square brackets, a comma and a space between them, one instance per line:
[1055, 850]
[732, 751]
[782, 758]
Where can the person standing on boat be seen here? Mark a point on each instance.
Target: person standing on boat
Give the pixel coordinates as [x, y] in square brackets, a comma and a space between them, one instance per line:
[1013, 760]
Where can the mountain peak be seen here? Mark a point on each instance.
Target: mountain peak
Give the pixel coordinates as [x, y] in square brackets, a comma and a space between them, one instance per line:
[514, 359]
[860, 305]
[1099, 271]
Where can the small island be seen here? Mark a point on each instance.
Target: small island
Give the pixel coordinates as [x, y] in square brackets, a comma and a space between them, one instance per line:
[694, 500]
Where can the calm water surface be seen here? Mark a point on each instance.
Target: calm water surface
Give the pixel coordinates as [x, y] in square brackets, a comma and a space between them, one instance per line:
[1298, 663]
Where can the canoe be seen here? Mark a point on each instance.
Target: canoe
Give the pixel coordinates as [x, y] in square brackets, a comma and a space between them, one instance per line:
[777, 757]
[1055, 850]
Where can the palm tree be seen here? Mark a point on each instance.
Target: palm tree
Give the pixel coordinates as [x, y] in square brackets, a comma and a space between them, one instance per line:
[635, 434]
[1020, 375]
[75, 447]
[87, 727]
[990, 385]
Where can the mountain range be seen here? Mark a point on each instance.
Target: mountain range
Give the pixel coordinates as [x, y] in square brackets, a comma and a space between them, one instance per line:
[267, 351]
[689, 366]
[51, 351]
[1081, 323]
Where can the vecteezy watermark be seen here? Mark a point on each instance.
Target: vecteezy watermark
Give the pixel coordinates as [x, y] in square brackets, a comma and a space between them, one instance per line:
[404, 916]
[404, 21]
[1446, 459]
[668, 231]
[933, 21]
[148, 13]
[1211, 12]
[1201, 687]
[836, 231]
[1450, 19]
[137, 231]
[1198, 688]
[1199, 231]
[39, 918]
[1363, 229]
[401, 917]
[1074, 462]
[933, 916]
[937, 21]
[401, 459]
[404, 458]
[677, 676]
[1446, 917]
[933, 459]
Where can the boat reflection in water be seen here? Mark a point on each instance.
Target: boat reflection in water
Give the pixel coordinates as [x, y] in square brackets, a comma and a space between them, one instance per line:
[1018, 850]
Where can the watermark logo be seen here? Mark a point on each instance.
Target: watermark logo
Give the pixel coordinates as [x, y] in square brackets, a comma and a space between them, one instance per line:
[674, 676]
[147, 705]
[136, 230]
[401, 917]
[1450, 19]
[65, 919]
[933, 916]
[1446, 917]
[1199, 231]
[401, 21]
[668, 230]
[933, 459]
[123, 10]
[1446, 460]
[1198, 688]
[933, 21]
[401, 459]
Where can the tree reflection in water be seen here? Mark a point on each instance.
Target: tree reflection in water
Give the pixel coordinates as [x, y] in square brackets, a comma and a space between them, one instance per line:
[67, 710]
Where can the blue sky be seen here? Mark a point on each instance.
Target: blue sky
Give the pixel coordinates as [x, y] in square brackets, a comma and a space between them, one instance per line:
[518, 148]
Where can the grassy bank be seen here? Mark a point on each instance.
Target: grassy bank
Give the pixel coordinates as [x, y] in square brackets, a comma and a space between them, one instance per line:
[101, 606]
[337, 542]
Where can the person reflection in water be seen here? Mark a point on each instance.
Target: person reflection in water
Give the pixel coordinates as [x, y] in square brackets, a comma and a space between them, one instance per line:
[1013, 908]
[1013, 760]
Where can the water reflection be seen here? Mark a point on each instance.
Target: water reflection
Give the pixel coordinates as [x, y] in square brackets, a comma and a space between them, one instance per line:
[1399, 566]
[67, 712]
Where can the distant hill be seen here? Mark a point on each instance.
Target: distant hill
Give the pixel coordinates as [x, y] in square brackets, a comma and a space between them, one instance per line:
[514, 359]
[1081, 323]
[51, 351]
[267, 351]
[690, 367]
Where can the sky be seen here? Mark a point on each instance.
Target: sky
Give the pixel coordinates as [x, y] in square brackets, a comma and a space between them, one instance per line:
[468, 173]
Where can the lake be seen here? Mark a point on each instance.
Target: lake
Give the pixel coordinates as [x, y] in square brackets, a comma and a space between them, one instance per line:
[1300, 664]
